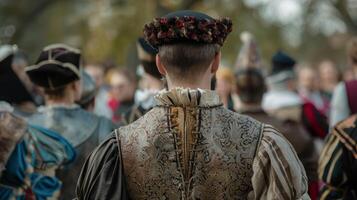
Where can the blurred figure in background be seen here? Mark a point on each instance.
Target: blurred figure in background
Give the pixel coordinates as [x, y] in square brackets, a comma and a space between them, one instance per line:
[308, 89]
[283, 102]
[101, 107]
[329, 76]
[122, 93]
[15, 86]
[225, 83]
[29, 157]
[338, 162]
[58, 72]
[89, 91]
[251, 88]
[248, 57]
[151, 82]
[344, 101]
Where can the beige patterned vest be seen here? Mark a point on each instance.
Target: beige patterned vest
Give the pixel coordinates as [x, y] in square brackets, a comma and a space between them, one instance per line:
[189, 147]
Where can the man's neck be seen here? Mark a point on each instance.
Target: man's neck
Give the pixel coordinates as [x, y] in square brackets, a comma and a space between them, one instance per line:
[61, 101]
[201, 83]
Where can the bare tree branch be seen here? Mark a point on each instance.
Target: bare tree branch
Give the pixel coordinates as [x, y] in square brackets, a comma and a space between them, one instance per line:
[27, 18]
[341, 8]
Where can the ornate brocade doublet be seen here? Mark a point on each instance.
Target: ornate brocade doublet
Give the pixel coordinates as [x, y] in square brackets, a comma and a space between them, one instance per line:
[190, 147]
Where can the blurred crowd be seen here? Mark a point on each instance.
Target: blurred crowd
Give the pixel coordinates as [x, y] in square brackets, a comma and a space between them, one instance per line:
[60, 116]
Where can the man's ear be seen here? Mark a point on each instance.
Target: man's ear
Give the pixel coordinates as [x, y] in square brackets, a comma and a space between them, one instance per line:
[215, 63]
[160, 66]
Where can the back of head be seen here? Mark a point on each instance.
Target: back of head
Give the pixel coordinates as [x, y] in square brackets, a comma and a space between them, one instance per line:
[250, 85]
[187, 60]
[187, 41]
[57, 66]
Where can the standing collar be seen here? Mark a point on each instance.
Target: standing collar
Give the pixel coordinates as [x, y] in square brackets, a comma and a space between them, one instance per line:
[186, 97]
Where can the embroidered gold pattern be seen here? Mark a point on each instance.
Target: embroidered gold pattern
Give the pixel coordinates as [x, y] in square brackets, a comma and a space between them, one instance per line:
[189, 147]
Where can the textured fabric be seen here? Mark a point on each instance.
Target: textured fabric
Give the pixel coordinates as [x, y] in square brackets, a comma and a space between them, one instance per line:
[339, 105]
[190, 147]
[12, 129]
[82, 129]
[278, 174]
[296, 134]
[334, 171]
[29, 172]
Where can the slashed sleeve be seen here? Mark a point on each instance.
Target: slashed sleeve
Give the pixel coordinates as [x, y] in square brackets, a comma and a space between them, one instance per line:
[331, 170]
[277, 171]
[102, 175]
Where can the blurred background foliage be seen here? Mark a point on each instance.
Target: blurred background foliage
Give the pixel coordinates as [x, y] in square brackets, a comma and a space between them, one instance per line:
[310, 30]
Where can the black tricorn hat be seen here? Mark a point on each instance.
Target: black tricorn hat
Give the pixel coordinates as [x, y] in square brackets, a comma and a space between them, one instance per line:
[57, 65]
[146, 54]
[187, 26]
[12, 89]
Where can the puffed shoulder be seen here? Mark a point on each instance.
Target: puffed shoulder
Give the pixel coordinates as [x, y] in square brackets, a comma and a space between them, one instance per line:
[102, 175]
[278, 172]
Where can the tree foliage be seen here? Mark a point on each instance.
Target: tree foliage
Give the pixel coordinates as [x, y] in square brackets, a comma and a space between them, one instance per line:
[108, 28]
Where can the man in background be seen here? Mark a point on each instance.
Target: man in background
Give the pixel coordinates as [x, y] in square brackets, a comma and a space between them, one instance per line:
[58, 72]
[344, 100]
[329, 77]
[308, 89]
[88, 94]
[101, 106]
[15, 86]
[282, 100]
[151, 82]
[250, 86]
[122, 93]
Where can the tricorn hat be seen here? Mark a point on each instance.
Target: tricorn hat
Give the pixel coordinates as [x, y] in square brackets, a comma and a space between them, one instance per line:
[12, 89]
[187, 26]
[57, 65]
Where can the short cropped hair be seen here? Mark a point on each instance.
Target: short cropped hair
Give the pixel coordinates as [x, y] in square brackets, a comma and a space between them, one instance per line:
[251, 85]
[185, 59]
[56, 93]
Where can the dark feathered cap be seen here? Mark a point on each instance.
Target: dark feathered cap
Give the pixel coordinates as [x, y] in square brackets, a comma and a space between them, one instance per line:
[281, 62]
[146, 54]
[12, 89]
[187, 26]
[57, 65]
[282, 68]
